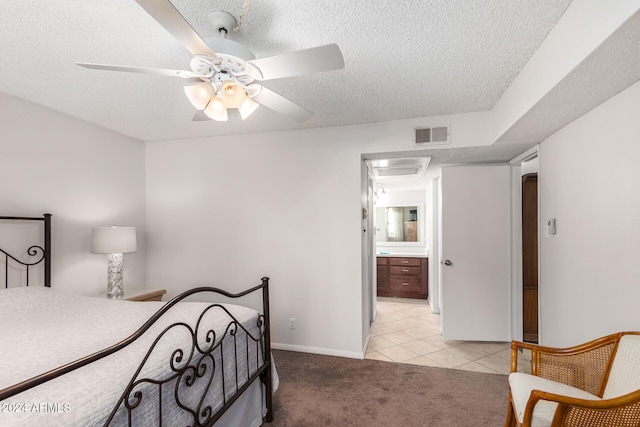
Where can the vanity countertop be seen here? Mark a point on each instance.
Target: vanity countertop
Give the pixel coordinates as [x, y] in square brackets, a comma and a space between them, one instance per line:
[403, 254]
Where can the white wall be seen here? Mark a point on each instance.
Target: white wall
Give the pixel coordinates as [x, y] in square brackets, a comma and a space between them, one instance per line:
[588, 181]
[227, 211]
[84, 175]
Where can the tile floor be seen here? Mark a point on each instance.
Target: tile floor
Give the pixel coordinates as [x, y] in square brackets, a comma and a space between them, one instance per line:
[405, 331]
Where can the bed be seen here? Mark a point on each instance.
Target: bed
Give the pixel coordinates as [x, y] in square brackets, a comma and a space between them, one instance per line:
[74, 360]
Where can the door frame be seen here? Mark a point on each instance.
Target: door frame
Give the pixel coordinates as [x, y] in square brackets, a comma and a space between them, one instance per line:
[368, 271]
[516, 245]
[435, 299]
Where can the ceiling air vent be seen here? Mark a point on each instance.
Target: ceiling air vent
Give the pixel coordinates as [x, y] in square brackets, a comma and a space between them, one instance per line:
[432, 136]
[401, 167]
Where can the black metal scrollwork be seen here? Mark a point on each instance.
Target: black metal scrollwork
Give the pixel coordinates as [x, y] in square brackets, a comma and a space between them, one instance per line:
[32, 252]
[196, 364]
[43, 253]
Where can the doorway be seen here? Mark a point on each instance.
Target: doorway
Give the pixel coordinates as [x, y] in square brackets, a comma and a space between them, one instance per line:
[404, 175]
[522, 164]
[530, 257]
[525, 247]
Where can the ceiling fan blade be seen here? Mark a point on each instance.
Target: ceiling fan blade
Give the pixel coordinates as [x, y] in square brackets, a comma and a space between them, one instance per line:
[282, 105]
[200, 116]
[158, 72]
[168, 16]
[306, 61]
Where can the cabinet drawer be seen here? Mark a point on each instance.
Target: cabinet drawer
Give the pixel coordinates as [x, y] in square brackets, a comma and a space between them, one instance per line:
[401, 270]
[405, 261]
[405, 284]
[381, 273]
[381, 260]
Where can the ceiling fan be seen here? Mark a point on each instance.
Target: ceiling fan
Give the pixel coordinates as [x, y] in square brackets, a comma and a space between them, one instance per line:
[224, 74]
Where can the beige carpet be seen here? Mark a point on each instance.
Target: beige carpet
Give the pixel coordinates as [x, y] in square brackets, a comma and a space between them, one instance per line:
[320, 390]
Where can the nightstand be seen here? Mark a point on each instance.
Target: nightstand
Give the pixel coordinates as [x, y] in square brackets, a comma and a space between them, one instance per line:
[140, 294]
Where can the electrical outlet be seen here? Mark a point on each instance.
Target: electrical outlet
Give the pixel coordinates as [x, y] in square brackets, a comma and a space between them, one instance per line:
[292, 323]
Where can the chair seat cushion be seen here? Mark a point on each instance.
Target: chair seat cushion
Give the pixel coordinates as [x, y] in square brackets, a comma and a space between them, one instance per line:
[521, 386]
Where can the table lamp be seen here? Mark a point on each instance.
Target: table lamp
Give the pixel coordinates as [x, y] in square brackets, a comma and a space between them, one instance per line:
[114, 241]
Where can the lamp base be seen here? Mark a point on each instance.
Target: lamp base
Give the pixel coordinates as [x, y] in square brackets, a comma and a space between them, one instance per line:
[115, 287]
[115, 295]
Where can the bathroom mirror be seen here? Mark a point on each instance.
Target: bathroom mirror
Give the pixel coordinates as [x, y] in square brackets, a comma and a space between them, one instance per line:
[399, 224]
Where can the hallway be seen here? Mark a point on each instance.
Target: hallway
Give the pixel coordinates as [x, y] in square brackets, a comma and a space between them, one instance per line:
[405, 331]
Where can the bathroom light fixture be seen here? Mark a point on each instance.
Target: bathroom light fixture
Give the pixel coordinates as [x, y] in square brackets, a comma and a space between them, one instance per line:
[114, 241]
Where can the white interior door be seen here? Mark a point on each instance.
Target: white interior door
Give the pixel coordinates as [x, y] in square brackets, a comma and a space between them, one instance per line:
[475, 255]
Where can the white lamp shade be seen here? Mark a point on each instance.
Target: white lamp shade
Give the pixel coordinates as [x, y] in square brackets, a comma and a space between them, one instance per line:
[233, 95]
[200, 94]
[111, 240]
[247, 107]
[216, 110]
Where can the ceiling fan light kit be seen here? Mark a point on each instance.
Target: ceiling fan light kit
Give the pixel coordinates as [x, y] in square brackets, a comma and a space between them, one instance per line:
[247, 108]
[216, 110]
[231, 76]
[199, 94]
[232, 94]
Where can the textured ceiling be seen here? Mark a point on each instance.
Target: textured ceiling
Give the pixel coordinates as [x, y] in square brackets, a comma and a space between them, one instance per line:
[403, 59]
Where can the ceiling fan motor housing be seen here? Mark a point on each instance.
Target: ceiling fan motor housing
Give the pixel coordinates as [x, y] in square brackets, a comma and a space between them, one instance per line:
[223, 21]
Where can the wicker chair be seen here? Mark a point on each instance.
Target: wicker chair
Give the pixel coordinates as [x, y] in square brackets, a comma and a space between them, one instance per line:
[592, 384]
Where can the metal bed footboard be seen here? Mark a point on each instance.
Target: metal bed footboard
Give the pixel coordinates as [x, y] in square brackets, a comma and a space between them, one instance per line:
[187, 366]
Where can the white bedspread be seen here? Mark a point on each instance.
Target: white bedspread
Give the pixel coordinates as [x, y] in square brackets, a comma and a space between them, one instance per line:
[42, 329]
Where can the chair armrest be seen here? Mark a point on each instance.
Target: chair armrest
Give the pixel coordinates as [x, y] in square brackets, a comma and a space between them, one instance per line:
[585, 366]
[620, 411]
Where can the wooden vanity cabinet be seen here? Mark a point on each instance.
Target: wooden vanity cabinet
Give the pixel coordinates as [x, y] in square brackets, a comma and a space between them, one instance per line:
[382, 264]
[403, 277]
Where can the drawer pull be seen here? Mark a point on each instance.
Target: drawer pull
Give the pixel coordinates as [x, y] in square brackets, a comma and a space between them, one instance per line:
[405, 262]
[405, 271]
[405, 284]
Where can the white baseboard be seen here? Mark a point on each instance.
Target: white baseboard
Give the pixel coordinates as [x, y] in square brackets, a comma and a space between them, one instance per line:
[318, 350]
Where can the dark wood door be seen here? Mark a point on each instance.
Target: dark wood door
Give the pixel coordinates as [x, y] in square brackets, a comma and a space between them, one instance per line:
[530, 257]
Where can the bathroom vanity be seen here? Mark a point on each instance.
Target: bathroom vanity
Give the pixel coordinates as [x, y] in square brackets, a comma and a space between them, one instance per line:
[403, 276]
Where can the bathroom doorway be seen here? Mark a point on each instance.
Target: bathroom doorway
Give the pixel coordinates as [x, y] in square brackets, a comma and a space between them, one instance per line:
[399, 174]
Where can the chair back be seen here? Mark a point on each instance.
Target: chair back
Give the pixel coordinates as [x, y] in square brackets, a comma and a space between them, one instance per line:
[624, 376]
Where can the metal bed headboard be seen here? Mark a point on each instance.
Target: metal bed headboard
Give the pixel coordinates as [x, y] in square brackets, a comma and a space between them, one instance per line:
[34, 250]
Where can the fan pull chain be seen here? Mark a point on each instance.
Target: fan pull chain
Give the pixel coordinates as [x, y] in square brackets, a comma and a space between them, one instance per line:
[245, 10]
